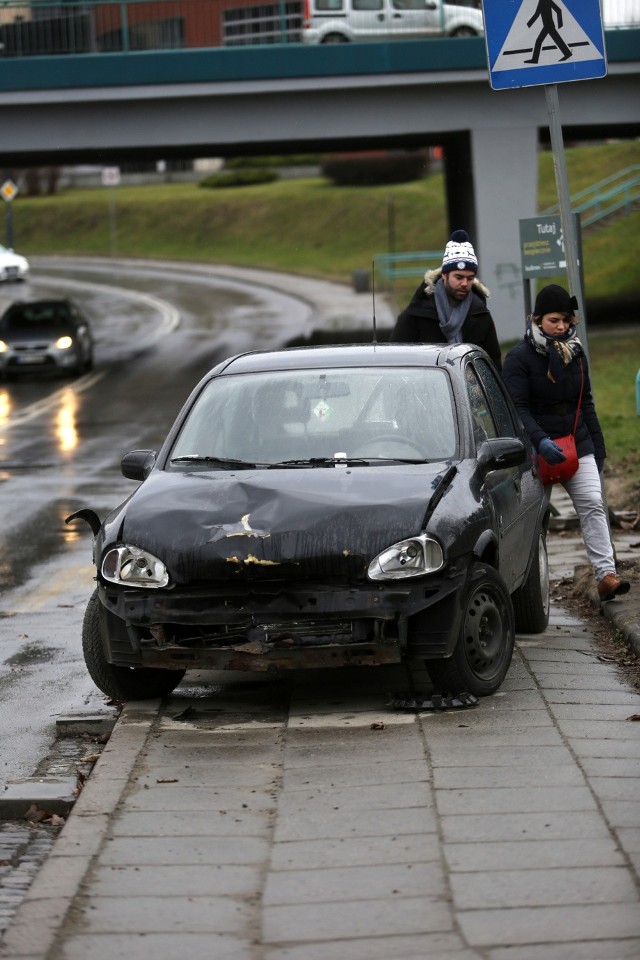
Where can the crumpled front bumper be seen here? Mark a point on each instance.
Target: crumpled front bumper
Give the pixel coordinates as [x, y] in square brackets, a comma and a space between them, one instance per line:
[280, 624]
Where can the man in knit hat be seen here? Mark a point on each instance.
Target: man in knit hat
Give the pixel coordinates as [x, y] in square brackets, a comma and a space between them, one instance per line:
[450, 305]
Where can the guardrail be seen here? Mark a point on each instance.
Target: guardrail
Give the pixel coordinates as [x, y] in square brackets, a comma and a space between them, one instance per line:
[620, 191]
[413, 263]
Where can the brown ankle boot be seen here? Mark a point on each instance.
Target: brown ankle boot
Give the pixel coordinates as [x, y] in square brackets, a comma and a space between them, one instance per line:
[612, 586]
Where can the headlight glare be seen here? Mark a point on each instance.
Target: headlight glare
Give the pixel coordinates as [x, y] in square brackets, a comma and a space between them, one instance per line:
[408, 558]
[131, 566]
[3, 347]
[63, 343]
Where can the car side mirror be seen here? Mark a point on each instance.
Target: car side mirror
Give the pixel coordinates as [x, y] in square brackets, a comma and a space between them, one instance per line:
[138, 464]
[500, 454]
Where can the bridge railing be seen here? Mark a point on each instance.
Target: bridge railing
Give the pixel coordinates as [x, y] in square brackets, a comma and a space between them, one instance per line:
[45, 28]
[123, 26]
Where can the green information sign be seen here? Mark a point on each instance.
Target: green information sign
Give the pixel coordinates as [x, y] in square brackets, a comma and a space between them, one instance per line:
[542, 247]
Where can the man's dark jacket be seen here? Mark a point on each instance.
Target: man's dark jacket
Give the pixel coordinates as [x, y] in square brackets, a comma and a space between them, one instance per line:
[548, 409]
[418, 322]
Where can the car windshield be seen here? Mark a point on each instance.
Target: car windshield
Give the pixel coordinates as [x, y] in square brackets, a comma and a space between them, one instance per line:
[318, 417]
[22, 318]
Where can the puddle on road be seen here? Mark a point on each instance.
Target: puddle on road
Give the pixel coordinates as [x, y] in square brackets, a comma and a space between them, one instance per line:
[31, 653]
[43, 536]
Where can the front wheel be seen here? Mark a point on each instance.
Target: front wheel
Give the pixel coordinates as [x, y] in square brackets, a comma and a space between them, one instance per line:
[484, 647]
[120, 683]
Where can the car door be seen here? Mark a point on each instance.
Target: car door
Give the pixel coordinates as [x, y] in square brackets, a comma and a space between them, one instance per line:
[368, 19]
[414, 18]
[513, 491]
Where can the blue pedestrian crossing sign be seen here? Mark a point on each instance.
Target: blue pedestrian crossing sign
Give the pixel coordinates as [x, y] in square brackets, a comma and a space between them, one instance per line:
[534, 42]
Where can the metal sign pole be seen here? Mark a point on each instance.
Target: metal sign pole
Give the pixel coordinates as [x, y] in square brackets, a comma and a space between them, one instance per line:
[564, 199]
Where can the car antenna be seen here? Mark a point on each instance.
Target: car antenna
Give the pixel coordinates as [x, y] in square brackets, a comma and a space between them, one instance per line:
[373, 298]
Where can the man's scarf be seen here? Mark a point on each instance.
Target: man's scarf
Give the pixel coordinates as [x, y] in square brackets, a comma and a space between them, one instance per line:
[450, 317]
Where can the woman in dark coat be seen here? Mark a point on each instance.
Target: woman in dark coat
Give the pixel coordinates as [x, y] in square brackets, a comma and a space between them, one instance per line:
[544, 374]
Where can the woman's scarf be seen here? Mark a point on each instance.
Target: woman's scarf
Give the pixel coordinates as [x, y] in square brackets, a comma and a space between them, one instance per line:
[561, 350]
[451, 318]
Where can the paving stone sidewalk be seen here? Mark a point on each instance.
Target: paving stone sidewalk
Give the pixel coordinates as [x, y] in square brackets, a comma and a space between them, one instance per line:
[307, 821]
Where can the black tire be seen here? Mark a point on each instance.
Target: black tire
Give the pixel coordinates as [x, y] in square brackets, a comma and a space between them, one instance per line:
[464, 32]
[484, 647]
[120, 683]
[335, 38]
[531, 600]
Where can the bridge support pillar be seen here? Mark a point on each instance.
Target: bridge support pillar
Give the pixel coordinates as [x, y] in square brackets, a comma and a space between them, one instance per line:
[505, 161]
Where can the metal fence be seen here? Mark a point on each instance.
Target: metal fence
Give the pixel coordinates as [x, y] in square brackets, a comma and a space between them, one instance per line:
[45, 29]
[42, 28]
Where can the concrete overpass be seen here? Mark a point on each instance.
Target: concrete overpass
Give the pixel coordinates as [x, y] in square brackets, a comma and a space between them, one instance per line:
[106, 108]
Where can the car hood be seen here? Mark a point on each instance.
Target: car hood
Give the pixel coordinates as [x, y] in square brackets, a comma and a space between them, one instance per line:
[278, 523]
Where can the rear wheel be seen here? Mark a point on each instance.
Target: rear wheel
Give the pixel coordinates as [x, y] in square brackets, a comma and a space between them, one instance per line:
[531, 601]
[120, 683]
[484, 647]
[334, 38]
[464, 32]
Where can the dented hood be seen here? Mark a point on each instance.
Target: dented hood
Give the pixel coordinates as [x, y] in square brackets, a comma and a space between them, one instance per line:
[277, 523]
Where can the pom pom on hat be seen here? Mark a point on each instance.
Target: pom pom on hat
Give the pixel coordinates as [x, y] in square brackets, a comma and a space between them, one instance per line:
[554, 299]
[459, 253]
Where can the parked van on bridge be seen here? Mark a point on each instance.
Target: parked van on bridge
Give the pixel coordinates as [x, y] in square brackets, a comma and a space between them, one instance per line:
[340, 21]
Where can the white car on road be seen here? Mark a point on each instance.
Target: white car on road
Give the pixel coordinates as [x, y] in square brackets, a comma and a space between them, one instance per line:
[12, 265]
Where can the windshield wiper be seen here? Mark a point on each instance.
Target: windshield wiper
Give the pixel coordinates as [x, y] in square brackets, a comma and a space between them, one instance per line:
[338, 461]
[222, 461]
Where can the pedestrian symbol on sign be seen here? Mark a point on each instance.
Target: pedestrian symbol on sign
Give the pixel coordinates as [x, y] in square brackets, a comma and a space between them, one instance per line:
[545, 11]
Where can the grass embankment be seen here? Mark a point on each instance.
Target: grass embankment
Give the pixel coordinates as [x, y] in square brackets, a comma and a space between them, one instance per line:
[314, 228]
[305, 226]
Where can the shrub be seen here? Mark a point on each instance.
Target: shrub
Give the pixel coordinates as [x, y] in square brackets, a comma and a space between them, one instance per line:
[367, 171]
[294, 160]
[239, 178]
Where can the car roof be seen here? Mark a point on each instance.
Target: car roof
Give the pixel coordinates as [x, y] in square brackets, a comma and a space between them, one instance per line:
[346, 355]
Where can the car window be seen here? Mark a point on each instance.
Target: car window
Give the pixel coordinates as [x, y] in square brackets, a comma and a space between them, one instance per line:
[499, 403]
[483, 424]
[408, 4]
[329, 6]
[360, 412]
[367, 4]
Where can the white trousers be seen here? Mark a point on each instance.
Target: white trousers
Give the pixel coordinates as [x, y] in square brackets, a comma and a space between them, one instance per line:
[585, 490]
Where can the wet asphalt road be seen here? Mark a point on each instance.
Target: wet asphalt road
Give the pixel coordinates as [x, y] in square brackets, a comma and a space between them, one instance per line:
[158, 329]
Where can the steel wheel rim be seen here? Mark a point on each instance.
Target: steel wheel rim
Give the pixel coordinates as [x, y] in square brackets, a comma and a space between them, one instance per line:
[485, 633]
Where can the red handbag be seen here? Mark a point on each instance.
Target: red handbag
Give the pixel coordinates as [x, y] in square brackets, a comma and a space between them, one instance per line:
[559, 472]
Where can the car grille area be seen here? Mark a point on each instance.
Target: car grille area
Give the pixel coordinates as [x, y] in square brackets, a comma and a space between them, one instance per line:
[274, 645]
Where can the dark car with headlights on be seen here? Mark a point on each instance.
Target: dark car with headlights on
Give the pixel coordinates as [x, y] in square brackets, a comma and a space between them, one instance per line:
[323, 506]
[41, 335]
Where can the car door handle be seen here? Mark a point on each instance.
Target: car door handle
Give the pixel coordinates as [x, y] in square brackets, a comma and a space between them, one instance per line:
[381, 16]
[517, 483]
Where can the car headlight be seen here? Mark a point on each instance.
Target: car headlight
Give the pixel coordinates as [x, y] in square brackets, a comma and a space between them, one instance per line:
[408, 558]
[3, 347]
[63, 343]
[133, 567]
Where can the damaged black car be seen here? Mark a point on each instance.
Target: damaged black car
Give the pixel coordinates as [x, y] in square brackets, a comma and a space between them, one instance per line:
[325, 506]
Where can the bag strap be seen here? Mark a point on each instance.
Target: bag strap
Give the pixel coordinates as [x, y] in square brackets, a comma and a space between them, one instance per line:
[575, 422]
